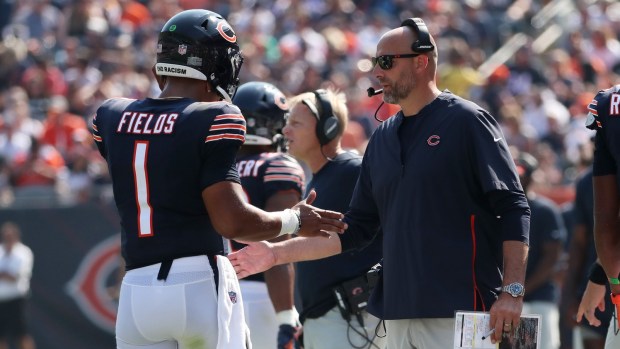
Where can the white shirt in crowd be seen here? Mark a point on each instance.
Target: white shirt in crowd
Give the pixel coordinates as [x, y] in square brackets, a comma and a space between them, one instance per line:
[19, 264]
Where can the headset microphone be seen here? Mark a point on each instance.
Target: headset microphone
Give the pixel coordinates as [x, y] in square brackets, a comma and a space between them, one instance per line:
[372, 92]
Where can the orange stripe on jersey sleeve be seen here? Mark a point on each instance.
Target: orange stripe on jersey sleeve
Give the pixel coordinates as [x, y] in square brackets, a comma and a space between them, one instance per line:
[225, 136]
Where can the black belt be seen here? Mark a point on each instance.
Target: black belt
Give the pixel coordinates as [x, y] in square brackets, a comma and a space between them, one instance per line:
[164, 269]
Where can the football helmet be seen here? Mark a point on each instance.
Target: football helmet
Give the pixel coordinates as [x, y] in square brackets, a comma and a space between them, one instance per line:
[265, 110]
[200, 44]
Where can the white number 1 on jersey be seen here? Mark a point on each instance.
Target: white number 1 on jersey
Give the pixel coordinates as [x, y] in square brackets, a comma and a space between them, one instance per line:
[141, 181]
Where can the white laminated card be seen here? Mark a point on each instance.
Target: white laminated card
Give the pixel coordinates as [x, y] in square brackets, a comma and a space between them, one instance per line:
[470, 327]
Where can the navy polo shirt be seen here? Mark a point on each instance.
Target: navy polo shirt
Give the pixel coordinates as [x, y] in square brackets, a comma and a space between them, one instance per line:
[315, 280]
[546, 226]
[442, 244]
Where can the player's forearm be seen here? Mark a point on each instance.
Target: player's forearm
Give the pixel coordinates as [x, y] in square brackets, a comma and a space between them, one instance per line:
[515, 261]
[305, 249]
[253, 224]
[235, 219]
[606, 224]
[607, 240]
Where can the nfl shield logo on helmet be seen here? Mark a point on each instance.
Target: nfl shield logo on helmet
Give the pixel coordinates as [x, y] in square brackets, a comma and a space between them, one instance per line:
[233, 296]
[182, 49]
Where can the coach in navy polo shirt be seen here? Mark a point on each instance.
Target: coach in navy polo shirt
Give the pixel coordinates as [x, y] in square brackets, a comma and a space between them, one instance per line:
[438, 179]
[547, 238]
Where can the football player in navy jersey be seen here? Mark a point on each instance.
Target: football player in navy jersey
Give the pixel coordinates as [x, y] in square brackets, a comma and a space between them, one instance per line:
[176, 187]
[272, 181]
[604, 117]
[438, 180]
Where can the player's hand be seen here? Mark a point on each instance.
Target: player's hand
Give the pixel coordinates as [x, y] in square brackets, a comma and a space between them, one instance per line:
[593, 297]
[254, 258]
[505, 315]
[288, 336]
[316, 221]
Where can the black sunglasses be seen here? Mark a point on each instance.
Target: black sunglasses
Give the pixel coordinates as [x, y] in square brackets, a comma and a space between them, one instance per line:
[386, 61]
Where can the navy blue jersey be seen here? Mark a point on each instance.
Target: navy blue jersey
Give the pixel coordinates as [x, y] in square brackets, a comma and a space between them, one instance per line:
[604, 117]
[442, 242]
[546, 226]
[334, 184]
[162, 153]
[262, 176]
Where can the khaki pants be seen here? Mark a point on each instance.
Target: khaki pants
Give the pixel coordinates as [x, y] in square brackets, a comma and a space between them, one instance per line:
[330, 331]
[420, 333]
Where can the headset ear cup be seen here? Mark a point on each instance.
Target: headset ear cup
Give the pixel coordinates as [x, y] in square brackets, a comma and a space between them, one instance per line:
[423, 43]
[328, 125]
[330, 129]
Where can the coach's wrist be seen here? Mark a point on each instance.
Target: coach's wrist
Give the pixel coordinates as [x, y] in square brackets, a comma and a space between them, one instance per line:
[291, 222]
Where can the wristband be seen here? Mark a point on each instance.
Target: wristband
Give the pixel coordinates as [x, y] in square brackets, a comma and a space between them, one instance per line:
[288, 317]
[291, 222]
[597, 274]
[614, 281]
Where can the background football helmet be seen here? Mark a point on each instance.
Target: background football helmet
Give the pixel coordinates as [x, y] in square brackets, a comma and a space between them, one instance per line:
[265, 110]
[200, 44]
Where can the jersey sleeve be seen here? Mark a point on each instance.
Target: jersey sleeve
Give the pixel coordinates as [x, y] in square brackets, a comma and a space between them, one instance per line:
[98, 127]
[102, 119]
[222, 141]
[363, 214]
[283, 173]
[604, 163]
[97, 137]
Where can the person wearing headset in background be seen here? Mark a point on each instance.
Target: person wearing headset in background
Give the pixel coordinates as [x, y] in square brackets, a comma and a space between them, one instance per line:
[603, 116]
[313, 133]
[272, 181]
[177, 191]
[439, 181]
[547, 237]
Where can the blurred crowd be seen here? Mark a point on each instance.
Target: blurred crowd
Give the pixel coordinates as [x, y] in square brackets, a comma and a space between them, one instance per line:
[535, 65]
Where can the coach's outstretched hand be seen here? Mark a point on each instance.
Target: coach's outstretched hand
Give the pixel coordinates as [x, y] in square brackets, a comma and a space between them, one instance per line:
[254, 258]
[316, 221]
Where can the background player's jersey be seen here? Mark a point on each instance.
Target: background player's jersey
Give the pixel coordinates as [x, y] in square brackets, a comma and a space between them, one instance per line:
[604, 117]
[162, 153]
[263, 175]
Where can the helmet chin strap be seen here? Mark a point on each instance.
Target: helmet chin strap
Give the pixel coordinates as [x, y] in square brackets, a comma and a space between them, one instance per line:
[223, 94]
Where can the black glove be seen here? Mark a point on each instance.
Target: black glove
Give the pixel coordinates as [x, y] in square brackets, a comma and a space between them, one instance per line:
[287, 337]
